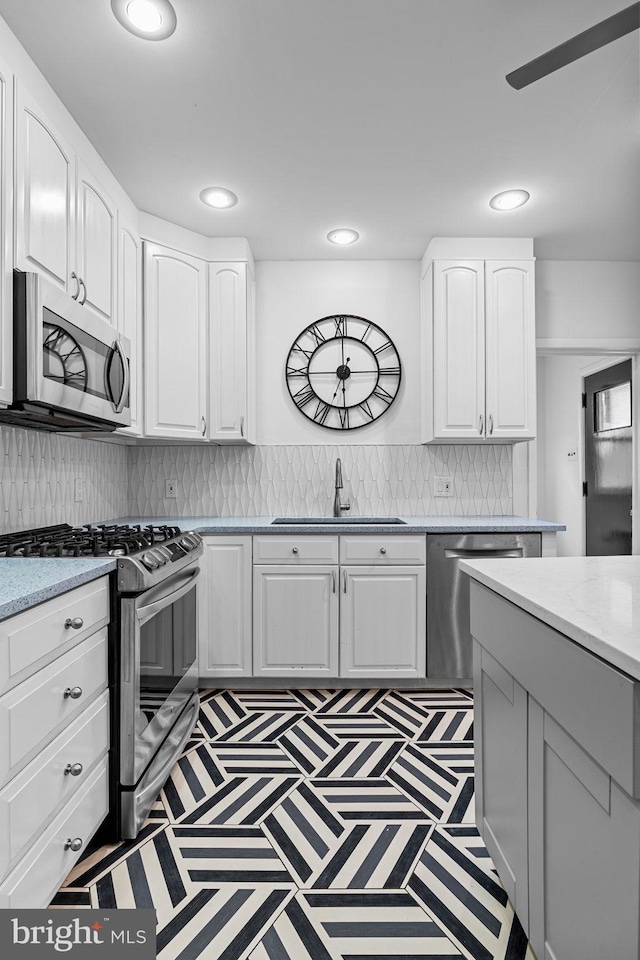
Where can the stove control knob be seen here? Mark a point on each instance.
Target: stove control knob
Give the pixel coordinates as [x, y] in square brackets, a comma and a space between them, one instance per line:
[149, 561]
[159, 557]
[186, 543]
[164, 553]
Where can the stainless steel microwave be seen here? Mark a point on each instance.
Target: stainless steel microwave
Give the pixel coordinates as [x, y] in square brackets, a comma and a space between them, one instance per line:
[71, 369]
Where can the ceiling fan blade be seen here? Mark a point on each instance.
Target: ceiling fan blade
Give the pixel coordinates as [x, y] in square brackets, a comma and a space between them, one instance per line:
[592, 39]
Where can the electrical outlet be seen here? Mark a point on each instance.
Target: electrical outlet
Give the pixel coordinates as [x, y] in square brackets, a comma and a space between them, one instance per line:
[572, 455]
[444, 487]
[78, 489]
[170, 489]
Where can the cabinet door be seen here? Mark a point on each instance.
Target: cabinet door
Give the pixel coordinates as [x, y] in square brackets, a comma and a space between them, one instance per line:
[458, 349]
[510, 350]
[383, 622]
[6, 235]
[584, 851]
[295, 621]
[175, 344]
[96, 245]
[228, 304]
[224, 637]
[44, 205]
[500, 730]
[130, 315]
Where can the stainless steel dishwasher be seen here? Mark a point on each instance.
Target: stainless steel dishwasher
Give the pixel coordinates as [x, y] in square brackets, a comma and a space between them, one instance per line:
[448, 636]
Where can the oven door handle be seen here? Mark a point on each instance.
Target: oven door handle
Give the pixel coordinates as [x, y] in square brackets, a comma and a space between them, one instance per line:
[147, 610]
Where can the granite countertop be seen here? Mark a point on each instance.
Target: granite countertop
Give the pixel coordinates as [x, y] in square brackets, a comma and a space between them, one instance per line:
[593, 600]
[27, 581]
[210, 526]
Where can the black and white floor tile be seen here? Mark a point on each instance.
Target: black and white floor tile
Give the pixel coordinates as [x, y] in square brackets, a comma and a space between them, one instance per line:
[315, 825]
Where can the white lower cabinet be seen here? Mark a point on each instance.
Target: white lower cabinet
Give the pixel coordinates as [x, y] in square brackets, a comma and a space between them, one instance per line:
[54, 740]
[382, 621]
[295, 620]
[225, 629]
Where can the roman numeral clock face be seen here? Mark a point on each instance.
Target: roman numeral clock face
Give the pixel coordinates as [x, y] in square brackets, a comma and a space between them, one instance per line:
[343, 372]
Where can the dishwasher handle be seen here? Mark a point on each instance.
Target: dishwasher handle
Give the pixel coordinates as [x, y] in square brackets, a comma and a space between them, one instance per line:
[496, 552]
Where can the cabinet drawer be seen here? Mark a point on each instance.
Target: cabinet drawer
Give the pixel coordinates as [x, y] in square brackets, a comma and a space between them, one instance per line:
[387, 549]
[33, 712]
[39, 633]
[29, 800]
[37, 877]
[309, 549]
[596, 704]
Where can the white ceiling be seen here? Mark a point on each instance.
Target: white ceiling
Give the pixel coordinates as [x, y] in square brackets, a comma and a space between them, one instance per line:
[389, 116]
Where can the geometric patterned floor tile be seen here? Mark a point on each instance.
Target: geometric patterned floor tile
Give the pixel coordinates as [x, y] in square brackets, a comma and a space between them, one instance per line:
[222, 923]
[438, 698]
[309, 744]
[455, 755]
[312, 699]
[448, 723]
[194, 777]
[262, 727]
[253, 700]
[352, 726]
[444, 795]
[79, 898]
[376, 856]
[369, 924]
[217, 713]
[305, 832]
[467, 900]
[235, 758]
[352, 701]
[98, 862]
[210, 856]
[368, 799]
[242, 800]
[408, 717]
[361, 758]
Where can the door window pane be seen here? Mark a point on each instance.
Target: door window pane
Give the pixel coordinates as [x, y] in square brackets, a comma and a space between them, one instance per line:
[613, 407]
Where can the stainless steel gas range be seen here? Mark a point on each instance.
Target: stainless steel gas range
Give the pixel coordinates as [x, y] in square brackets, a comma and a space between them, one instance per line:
[154, 668]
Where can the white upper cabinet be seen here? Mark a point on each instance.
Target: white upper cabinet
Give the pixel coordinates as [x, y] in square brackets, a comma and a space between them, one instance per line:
[130, 315]
[232, 342]
[175, 338]
[478, 350]
[96, 245]
[6, 236]
[45, 198]
[510, 350]
[66, 225]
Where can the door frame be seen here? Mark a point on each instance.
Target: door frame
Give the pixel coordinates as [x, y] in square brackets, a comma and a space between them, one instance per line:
[614, 350]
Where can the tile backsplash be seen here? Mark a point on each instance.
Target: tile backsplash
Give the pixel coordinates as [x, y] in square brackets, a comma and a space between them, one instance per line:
[38, 472]
[37, 479]
[299, 480]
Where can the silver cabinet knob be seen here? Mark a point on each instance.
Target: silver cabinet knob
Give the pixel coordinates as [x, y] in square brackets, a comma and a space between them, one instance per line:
[383, 549]
[73, 693]
[77, 623]
[74, 845]
[75, 769]
[295, 550]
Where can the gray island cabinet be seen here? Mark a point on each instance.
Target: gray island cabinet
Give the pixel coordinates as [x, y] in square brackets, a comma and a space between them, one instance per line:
[558, 748]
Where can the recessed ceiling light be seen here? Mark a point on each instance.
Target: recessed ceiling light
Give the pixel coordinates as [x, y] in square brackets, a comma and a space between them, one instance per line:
[149, 19]
[509, 199]
[218, 197]
[343, 236]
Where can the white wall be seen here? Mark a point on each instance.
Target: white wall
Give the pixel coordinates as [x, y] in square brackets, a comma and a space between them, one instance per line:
[292, 294]
[585, 298]
[560, 422]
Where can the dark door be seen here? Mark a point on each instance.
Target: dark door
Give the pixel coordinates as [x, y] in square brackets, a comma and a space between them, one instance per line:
[608, 459]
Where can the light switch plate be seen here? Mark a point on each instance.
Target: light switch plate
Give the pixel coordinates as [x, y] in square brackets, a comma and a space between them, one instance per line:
[443, 487]
[78, 489]
[170, 490]
[572, 455]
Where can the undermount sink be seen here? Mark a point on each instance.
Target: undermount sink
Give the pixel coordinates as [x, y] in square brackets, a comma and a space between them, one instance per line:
[306, 521]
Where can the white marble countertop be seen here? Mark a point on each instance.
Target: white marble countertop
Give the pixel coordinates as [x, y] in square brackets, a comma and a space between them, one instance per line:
[593, 600]
[27, 581]
[210, 526]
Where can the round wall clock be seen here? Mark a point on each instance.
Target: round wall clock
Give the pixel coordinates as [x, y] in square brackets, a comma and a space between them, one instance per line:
[343, 372]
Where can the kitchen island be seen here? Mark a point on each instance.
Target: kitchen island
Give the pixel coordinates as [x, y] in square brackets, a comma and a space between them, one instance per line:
[557, 724]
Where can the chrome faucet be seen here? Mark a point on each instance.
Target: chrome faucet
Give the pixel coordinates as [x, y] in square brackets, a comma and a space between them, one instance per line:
[337, 506]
